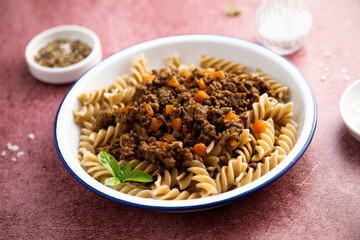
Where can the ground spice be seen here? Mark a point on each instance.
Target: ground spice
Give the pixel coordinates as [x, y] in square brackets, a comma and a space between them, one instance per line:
[62, 53]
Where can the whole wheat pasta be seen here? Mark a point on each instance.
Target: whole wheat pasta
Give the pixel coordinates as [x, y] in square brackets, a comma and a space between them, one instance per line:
[198, 131]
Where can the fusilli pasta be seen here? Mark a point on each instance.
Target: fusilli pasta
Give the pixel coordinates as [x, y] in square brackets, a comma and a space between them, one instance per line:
[221, 169]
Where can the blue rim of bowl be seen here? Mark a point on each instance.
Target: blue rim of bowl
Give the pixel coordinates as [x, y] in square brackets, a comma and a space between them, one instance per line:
[204, 206]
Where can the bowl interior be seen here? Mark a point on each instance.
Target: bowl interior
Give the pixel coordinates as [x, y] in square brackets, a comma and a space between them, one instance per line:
[189, 48]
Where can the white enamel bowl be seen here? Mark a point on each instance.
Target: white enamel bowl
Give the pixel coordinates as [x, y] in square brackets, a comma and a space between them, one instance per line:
[350, 109]
[64, 74]
[189, 48]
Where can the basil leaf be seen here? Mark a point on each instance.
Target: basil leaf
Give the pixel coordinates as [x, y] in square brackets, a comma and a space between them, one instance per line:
[125, 168]
[112, 181]
[136, 175]
[110, 163]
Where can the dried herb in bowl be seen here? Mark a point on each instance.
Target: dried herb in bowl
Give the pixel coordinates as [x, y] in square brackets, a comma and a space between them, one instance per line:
[62, 53]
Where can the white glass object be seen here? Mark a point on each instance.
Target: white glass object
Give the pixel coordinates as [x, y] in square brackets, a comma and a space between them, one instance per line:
[283, 25]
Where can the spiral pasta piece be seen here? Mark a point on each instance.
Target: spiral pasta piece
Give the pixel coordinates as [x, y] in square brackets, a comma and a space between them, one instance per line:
[218, 63]
[133, 189]
[201, 175]
[139, 69]
[262, 109]
[117, 97]
[86, 112]
[265, 141]
[104, 136]
[144, 166]
[94, 96]
[230, 175]
[165, 193]
[280, 90]
[173, 62]
[287, 138]
[184, 180]
[165, 190]
[92, 165]
[281, 111]
[122, 82]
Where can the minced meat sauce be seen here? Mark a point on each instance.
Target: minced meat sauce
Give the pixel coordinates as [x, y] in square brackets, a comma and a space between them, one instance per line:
[173, 116]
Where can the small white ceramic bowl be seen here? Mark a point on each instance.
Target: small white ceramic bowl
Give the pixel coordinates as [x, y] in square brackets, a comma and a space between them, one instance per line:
[65, 74]
[189, 48]
[350, 109]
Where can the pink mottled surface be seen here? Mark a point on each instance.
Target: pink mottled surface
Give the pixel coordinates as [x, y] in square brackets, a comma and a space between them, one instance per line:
[319, 198]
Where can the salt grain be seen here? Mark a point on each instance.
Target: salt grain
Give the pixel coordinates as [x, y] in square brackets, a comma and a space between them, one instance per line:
[12, 147]
[3, 153]
[324, 77]
[346, 77]
[326, 69]
[343, 70]
[13, 159]
[31, 136]
[19, 154]
[328, 53]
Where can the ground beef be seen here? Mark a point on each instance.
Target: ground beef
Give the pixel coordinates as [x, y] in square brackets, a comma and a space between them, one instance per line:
[105, 118]
[152, 135]
[114, 148]
[165, 96]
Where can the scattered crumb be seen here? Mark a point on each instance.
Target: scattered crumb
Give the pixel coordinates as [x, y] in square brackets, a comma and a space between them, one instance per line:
[12, 147]
[328, 53]
[15, 149]
[31, 136]
[326, 69]
[19, 154]
[231, 11]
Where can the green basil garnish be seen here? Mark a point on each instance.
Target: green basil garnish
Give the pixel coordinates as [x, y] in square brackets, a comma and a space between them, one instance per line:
[121, 174]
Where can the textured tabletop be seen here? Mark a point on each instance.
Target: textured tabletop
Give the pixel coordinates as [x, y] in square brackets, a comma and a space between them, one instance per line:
[319, 198]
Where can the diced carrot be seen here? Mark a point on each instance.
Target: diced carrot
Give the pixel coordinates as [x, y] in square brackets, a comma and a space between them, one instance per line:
[163, 144]
[201, 84]
[169, 138]
[148, 77]
[126, 108]
[155, 124]
[230, 116]
[233, 142]
[200, 95]
[169, 109]
[259, 126]
[188, 77]
[208, 72]
[177, 122]
[200, 149]
[173, 82]
[218, 74]
[149, 109]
